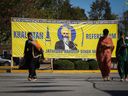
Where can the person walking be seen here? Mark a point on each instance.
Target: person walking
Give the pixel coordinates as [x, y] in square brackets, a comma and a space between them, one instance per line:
[32, 52]
[121, 55]
[104, 51]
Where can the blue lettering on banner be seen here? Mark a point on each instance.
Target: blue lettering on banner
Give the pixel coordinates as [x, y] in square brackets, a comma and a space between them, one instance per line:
[23, 34]
[97, 36]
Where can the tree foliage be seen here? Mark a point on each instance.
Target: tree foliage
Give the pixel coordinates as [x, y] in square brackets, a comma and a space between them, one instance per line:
[125, 20]
[101, 10]
[43, 9]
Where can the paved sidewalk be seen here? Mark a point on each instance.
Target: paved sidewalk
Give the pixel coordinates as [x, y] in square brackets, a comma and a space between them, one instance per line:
[53, 84]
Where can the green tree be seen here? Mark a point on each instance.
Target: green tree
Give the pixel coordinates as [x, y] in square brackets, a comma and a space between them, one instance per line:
[12, 8]
[44, 9]
[114, 17]
[78, 14]
[125, 20]
[7, 10]
[101, 10]
[107, 10]
[65, 10]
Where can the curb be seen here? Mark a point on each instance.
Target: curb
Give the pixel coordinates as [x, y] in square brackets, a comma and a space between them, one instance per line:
[62, 71]
[8, 69]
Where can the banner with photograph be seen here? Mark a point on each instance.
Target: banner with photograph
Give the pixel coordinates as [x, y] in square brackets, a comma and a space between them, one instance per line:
[61, 39]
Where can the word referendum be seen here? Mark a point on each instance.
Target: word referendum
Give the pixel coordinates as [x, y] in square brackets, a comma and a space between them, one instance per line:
[97, 36]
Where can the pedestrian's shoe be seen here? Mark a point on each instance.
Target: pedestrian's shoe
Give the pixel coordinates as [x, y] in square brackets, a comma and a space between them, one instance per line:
[108, 79]
[105, 79]
[34, 78]
[29, 79]
[122, 80]
[126, 79]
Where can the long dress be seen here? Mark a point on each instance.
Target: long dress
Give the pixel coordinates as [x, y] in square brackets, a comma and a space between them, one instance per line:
[121, 55]
[103, 53]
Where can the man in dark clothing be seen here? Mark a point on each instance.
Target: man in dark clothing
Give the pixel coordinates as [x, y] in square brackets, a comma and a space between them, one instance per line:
[29, 60]
[61, 45]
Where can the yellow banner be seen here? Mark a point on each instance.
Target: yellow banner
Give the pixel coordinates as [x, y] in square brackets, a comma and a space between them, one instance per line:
[61, 39]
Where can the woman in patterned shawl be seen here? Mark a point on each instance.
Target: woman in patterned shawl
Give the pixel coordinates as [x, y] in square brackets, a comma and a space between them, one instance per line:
[103, 53]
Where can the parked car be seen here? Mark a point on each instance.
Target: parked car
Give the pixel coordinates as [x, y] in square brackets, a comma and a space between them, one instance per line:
[5, 56]
[5, 62]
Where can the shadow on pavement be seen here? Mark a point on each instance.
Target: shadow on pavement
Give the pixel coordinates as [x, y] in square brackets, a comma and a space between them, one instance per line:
[113, 87]
[95, 79]
[29, 82]
[35, 91]
[117, 92]
[34, 86]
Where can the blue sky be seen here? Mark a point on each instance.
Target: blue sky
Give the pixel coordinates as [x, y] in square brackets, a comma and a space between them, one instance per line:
[117, 6]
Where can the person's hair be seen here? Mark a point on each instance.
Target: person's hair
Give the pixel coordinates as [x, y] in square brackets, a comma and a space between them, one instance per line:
[105, 32]
[121, 33]
[29, 33]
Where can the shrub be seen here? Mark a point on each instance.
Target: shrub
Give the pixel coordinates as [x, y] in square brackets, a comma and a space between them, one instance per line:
[73, 60]
[63, 65]
[93, 64]
[81, 65]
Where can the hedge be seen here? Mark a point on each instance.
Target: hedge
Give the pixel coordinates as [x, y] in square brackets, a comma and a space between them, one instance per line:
[66, 64]
[81, 65]
[73, 60]
[63, 65]
[93, 64]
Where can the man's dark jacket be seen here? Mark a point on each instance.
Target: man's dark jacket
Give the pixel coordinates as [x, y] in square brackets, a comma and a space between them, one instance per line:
[60, 45]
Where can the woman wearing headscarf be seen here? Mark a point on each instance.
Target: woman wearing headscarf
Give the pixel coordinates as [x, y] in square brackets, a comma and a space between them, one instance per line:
[103, 53]
[121, 55]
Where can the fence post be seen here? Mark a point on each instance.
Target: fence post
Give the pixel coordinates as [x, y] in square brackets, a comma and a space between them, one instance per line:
[11, 64]
[52, 64]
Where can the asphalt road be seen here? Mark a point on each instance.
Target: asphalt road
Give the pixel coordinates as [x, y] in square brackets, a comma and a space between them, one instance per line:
[49, 84]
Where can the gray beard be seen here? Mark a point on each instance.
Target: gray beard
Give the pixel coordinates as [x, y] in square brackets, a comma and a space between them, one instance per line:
[65, 39]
